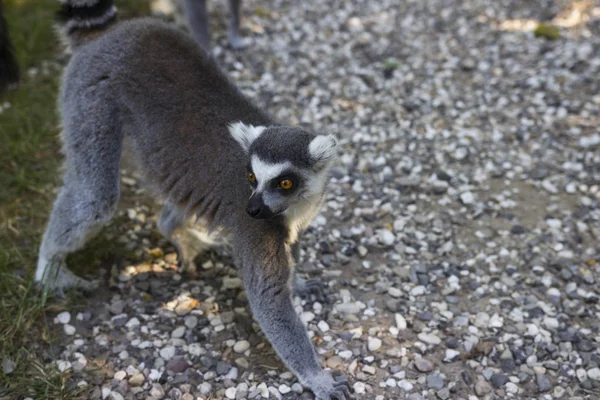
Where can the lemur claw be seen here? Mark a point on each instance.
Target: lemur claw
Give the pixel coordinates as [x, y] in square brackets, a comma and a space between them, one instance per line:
[305, 288]
[337, 388]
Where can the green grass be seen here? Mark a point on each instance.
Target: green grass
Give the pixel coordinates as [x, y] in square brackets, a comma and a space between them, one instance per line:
[29, 161]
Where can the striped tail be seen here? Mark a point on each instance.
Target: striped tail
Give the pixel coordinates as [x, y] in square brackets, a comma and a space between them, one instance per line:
[81, 20]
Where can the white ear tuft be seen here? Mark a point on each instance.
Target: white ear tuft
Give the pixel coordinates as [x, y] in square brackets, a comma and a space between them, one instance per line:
[245, 134]
[323, 149]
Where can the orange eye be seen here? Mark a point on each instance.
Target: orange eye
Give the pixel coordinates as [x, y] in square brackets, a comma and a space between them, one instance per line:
[286, 184]
[251, 177]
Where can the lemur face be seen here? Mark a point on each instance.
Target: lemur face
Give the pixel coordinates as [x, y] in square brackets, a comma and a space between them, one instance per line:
[287, 167]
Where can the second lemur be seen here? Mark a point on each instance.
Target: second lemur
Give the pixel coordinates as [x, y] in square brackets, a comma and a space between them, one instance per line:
[205, 149]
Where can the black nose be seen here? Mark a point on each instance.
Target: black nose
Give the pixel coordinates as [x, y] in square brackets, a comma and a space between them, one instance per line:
[253, 210]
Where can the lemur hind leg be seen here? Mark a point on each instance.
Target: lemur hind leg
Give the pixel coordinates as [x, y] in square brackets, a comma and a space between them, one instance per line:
[90, 192]
[196, 13]
[304, 287]
[235, 40]
[189, 242]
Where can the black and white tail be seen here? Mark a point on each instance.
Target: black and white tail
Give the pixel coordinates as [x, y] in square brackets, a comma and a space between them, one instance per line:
[79, 20]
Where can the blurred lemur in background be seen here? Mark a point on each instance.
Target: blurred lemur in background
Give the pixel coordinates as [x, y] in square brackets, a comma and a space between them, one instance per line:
[9, 69]
[204, 148]
[196, 13]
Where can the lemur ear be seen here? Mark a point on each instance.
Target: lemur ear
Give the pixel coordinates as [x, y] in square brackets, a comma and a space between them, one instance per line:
[245, 134]
[323, 150]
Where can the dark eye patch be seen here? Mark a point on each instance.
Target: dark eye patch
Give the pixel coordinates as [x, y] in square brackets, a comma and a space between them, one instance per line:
[296, 180]
[248, 170]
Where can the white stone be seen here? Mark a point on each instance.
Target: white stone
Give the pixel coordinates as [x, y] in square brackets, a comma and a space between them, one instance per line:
[374, 344]
[496, 321]
[69, 329]
[594, 373]
[359, 388]
[178, 332]
[348, 308]
[64, 317]
[231, 392]
[323, 326]
[511, 388]
[550, 323]
[116, 396]
[167, 353]
[232, 374]
[532, 330]
[191, 321]
[154, 374]
[307, 316]
[241, 346]
[297, 388]
[467, 198]
[132, 323]
[205, 388]
[120, 375]
[369, 369]
[394, 292]
[418, 290]
[451, 355]
[429, 338]
[284, 389]
[386, 237]
[482, 320]
[63, 365]
[405, 385]
[400, 322]
[232, 283]
[196, 349]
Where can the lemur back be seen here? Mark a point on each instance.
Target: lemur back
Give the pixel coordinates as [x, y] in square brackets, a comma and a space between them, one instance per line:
[143, 70]
[207, 151]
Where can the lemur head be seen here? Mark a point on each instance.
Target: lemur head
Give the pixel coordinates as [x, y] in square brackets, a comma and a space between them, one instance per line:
[287, 168]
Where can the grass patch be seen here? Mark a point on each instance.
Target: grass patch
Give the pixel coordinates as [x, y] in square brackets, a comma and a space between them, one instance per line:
[547, 31]
[29, 162]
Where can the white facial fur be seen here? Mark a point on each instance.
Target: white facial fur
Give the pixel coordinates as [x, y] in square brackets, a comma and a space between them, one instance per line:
[245, 134]
[303, 210]
[323, 149]
[265, 171]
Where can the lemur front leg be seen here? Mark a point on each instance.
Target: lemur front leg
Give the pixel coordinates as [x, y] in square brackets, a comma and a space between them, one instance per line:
[265, 268]
[305, 287]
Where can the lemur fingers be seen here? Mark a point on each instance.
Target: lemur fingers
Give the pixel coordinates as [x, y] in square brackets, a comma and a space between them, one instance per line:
[326, 387]
[305, 288]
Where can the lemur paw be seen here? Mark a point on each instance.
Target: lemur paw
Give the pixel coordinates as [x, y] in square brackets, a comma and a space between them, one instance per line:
[305, 288]
[189, 268]
[64, 281]
[325, 387]
[238, 43]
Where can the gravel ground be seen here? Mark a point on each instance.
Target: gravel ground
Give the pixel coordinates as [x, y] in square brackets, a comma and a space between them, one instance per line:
[460, 237]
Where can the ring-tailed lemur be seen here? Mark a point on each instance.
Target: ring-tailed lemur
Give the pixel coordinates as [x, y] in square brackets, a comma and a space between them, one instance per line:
[9, 69]
[204, 147]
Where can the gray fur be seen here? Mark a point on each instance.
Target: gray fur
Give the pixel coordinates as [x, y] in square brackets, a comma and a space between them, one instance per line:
[274, 144]
[152, 82]
[197, 16]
